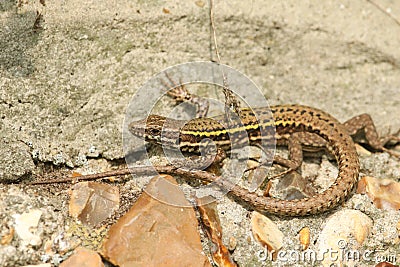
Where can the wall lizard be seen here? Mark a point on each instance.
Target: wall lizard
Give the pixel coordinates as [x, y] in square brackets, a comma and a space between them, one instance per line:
[299, 127]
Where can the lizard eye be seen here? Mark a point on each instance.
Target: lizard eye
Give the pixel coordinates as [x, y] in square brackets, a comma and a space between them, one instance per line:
[154, 132]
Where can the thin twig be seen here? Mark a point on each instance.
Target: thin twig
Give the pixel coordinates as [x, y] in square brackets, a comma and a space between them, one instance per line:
[384, 11]
[87, 177]
[230, 100]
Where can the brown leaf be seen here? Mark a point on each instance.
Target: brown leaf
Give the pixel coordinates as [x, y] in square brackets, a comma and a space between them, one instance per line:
[267, 232]
[83, 257]
[383, 192]
[155, 233]
[7, 238]
[212, 226]
[304, 237]
[93, 202]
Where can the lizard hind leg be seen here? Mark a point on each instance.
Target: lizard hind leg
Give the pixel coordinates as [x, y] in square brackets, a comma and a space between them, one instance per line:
[365, 125]
[296, 143]
[292, 178]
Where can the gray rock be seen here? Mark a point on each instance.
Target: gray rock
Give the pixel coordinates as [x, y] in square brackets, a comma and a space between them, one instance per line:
[15, 162]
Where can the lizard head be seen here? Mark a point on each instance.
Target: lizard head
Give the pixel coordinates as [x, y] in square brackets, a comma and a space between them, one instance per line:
[157, 129]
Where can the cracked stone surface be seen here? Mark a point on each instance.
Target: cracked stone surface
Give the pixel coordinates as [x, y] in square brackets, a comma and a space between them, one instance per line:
[16, 161]
[64, 89]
